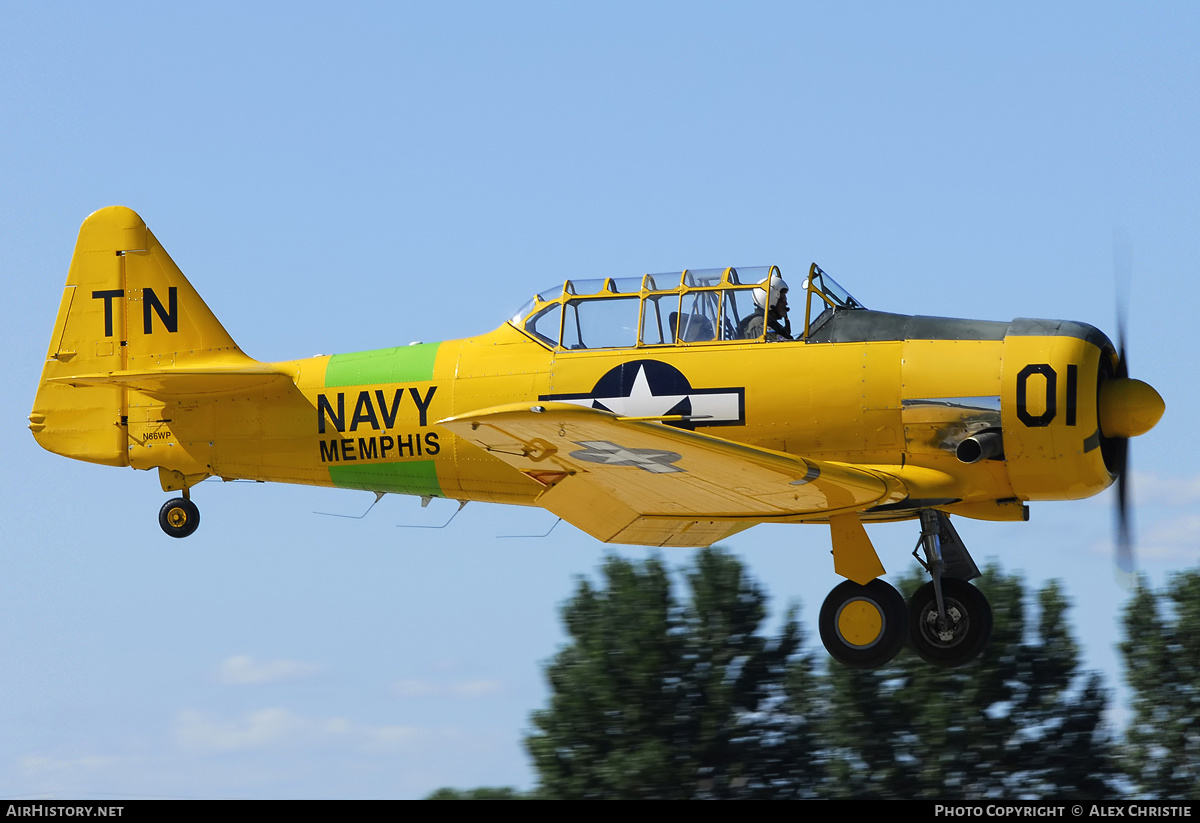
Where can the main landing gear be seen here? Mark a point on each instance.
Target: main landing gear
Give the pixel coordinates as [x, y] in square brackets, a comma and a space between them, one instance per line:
[950, 620]
[956, 633]
[179, 517]
[947, 621]
[863, 627]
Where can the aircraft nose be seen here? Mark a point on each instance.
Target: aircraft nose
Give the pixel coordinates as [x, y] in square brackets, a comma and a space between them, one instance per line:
[1129, 407]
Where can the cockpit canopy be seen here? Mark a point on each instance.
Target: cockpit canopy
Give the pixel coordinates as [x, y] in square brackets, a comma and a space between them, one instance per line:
[697, 306]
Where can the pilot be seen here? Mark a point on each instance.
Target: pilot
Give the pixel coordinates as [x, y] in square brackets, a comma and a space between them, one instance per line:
[779, 327]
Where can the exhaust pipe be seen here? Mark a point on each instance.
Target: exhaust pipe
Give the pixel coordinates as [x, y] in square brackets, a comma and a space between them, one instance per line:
[982, 446]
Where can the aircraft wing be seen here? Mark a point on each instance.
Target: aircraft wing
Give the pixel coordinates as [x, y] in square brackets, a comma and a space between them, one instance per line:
[633, 480]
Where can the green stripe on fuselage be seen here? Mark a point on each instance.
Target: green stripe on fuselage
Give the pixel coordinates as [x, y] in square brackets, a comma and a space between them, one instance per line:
[409, 477]
[401, 364]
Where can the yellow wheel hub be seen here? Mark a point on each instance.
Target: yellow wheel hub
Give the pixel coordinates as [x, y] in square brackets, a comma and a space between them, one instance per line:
[860, 622]
[177, 517]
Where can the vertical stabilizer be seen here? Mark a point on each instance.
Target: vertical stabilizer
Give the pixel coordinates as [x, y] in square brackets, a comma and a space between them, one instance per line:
[126, 308]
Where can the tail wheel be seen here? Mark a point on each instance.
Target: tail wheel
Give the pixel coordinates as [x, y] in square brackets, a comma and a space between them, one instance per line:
[863, 626]
[958, 639]
[179, 517]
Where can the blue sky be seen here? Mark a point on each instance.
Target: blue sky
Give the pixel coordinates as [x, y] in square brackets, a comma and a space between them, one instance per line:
[334, 181]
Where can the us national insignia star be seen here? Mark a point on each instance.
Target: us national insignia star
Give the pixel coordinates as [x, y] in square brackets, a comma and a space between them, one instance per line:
[651, 388]
[656, 461]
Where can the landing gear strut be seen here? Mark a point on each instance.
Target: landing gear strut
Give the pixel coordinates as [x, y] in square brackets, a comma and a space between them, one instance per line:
[950, 621]
[179, 516]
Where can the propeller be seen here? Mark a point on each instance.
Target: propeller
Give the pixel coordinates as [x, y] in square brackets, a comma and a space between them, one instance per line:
[1122, 274]
[1128, 408]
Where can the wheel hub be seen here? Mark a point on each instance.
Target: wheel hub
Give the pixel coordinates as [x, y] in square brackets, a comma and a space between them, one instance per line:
[949, 631]
[860, 623]
[177, 517]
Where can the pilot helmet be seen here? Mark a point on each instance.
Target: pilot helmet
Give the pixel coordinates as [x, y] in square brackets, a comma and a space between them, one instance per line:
[778, 286]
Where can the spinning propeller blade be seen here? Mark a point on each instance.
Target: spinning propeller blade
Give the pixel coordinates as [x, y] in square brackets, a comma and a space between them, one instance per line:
[1122, 276]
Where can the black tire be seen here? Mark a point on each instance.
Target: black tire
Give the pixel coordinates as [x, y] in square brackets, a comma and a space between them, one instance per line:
[969, 618]
[863, 627]
[179, 517]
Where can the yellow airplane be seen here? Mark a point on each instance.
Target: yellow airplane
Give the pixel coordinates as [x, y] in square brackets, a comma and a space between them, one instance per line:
[663, 410]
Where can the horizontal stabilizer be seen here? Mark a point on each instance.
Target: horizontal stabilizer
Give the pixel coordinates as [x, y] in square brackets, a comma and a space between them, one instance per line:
[178, 382]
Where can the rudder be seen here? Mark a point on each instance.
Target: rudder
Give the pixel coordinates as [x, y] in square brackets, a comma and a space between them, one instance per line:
[126, 308]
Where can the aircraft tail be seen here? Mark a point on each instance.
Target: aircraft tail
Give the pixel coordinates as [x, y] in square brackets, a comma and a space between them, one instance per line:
[129, 322]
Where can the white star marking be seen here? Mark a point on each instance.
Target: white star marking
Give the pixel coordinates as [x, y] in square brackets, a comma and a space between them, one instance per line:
[643, 402]
[656, 461]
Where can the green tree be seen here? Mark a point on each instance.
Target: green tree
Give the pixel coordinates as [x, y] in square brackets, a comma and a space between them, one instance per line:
[482, 793]
[1162, 662]
[657, 699]
[1018, 722]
